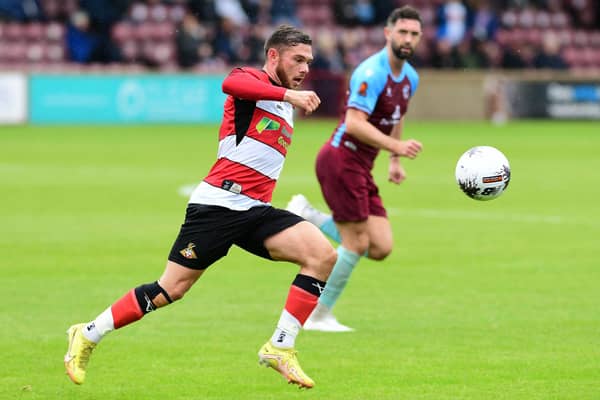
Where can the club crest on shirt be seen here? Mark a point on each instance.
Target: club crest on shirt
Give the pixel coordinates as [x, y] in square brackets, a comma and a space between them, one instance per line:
[406, 91]
[362, 90]
[189, 252]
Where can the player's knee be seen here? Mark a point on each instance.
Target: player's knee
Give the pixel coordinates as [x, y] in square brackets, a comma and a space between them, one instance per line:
[177, 292]
[330, 258]
[321, 263]
[379, 253]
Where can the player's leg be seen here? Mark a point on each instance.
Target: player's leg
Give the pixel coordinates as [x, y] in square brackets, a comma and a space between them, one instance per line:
[300, 205]
[379, 231]
[355, 241]
[283, 236]
[186, 264]
[304, 245]
[137, 302]
[346, 188]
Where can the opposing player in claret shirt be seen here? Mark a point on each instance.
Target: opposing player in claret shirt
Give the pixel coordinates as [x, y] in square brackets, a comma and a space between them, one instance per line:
[231, 206]
[380, 89]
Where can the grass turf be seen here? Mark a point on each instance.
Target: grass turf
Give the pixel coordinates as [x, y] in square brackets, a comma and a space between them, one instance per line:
[479, 300]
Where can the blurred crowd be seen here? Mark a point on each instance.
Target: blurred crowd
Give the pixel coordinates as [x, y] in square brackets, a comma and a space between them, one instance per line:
[209, 35]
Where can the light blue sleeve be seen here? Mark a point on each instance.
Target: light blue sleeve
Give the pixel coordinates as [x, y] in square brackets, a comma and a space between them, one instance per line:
[413, 78]
[366, 84]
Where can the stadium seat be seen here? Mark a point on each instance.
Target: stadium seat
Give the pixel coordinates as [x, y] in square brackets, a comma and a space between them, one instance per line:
[533, 36]
[14, 31]
[526, 18]
[159, 13]
[139, 12]
[305, 15]
[580, 38]
[54, 31]
[509, 19]
[176, 13]
[34, 31]
[560, 20]
[163, 30]
[36, 52]
[594, 39]
[122, 31]
[55, 52]
[15, 51]
[542, 19]
[130, 50]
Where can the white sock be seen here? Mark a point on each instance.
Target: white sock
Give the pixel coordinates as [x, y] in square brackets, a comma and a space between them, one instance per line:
[103, 324]
[287, 329]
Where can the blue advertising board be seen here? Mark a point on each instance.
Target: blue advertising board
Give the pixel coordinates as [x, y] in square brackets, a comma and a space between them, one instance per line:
[132, 99]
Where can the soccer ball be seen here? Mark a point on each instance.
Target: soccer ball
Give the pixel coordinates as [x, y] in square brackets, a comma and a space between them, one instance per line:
[483, 173]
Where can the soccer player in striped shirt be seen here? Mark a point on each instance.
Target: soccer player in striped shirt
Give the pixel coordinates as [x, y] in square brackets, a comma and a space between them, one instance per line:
[231, 206]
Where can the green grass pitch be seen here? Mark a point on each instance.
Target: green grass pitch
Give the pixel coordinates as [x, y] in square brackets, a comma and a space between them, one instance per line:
[479, 300]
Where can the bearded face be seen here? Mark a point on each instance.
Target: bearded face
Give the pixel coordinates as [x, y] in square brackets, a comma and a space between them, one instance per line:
[402, 51]
[403, 37]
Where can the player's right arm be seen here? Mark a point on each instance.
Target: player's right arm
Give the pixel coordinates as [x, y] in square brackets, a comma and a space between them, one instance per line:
[358, 125]
[247, 84]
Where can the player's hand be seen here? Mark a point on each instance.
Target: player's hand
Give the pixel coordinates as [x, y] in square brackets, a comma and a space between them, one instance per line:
[396, 171]
[408, 148]
[304, 99]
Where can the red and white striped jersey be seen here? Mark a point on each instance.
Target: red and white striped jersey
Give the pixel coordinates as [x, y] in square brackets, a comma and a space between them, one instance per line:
[253, 141]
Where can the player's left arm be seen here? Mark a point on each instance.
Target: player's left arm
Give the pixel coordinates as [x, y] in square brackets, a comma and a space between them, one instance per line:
[396, 173]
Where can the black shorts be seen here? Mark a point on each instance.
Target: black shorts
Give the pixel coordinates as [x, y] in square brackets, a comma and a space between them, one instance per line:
[209, 231]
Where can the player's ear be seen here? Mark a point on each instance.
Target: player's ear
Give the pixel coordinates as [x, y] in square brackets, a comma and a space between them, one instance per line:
[386, 32]
[272, 54]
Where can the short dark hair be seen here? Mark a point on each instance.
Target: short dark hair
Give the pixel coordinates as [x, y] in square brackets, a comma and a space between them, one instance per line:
[405, 12]
[286, 36]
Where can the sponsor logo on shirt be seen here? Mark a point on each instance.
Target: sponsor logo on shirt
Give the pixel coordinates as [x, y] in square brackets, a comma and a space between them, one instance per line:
[267, 124]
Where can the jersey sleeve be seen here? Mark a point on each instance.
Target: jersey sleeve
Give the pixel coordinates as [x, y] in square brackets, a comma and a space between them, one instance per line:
[413, 78]
[247, 84]
[366, 84]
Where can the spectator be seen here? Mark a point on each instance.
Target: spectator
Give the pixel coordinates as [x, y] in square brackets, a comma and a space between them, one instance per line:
[227, 41]
[252, 52]
[231, 10]
[192, 42]
[328, 56]
[364, 12]
[518, 56]
[549, 56]
[103, 15]
[258, 11]
[466, 55]
[284, 12]
[203, 10]
[452, 22]
[81, 42]
[485, 21]
[21, 10]
[443, 56]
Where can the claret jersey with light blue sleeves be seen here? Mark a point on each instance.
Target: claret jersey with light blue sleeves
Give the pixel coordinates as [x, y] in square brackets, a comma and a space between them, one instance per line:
[384, 97]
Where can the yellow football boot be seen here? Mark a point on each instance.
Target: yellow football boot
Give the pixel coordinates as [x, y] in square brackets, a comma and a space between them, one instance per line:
[286, 363]
[78, 353]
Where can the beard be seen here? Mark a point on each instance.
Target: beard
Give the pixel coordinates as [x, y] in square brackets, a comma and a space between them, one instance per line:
[402, 53]
[285, 82]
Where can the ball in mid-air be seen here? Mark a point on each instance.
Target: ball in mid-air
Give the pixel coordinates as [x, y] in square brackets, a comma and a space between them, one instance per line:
[483, 173]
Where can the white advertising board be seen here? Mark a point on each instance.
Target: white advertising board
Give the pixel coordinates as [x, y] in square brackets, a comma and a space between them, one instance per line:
[13, 98]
